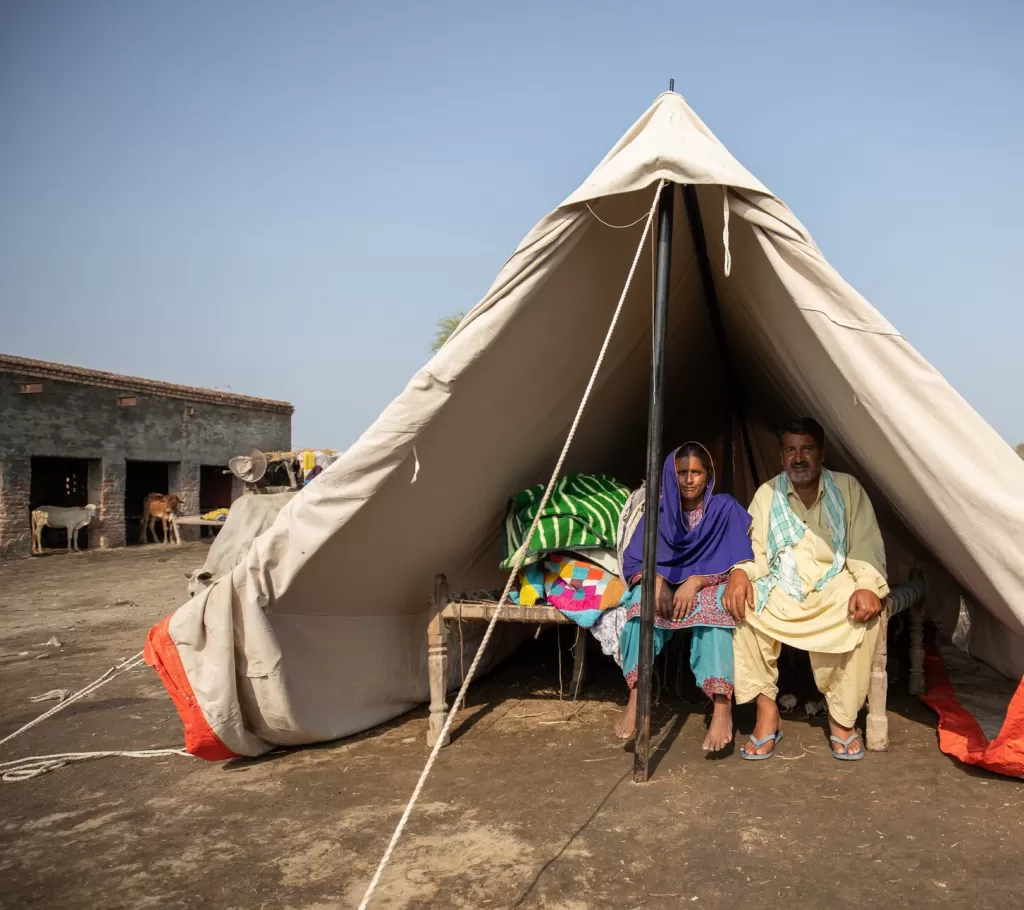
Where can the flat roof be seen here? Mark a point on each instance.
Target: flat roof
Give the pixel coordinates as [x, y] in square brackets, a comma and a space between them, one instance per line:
[62, 372]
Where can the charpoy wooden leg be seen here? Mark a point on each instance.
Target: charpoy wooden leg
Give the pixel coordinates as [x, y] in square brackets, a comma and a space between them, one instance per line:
[877, 726]
[437, 661]
[579, 655]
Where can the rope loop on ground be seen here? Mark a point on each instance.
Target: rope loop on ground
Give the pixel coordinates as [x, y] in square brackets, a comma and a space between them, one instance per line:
[129, 663]
[31, 766]
[519, 557]
[35, 765]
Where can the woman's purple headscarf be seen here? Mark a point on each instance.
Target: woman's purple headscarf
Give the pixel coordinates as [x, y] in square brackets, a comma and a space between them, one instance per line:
[714, 546]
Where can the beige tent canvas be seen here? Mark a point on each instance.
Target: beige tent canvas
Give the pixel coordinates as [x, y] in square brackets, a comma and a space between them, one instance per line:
[320, 632]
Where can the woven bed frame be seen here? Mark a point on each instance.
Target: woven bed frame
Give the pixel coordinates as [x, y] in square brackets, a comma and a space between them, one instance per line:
[909, 596]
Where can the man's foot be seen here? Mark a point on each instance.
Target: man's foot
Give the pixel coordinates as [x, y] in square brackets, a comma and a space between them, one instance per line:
[626, 726]
[845, 746]
[720, 729]
[765, 728]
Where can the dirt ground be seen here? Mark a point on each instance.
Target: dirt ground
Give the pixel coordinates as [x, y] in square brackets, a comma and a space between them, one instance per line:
[525, 809]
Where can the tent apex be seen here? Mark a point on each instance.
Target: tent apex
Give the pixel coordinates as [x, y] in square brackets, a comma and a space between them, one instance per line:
[669, 142]
[672, 91]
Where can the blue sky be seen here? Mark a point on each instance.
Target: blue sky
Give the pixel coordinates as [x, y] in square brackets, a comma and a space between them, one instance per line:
[282, 198]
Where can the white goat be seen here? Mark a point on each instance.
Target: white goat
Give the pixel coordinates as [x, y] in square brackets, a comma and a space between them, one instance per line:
[72, 520]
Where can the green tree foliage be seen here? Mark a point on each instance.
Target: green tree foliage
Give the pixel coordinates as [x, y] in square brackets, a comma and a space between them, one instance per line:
[1020, 450]
[445, 326]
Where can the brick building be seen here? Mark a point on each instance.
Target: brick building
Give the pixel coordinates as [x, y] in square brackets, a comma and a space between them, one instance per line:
[70, 436]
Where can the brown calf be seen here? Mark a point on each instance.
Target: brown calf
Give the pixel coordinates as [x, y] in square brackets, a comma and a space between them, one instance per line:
[164, 507]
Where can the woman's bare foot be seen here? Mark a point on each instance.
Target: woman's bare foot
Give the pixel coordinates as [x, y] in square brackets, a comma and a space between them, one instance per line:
[720, 730]
[767, 725]
[626, 726]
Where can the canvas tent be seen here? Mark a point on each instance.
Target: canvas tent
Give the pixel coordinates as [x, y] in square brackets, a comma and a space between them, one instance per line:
[321, 631]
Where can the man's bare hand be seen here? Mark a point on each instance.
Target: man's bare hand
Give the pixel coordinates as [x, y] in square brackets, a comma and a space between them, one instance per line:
[864, 606]
[739, 594]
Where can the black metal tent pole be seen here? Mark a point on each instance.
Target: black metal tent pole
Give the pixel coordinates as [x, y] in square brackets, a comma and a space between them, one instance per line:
[700, 247]
[655, 422]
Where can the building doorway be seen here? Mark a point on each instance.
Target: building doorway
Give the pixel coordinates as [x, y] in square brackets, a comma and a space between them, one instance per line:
[214, 492]
[61, 482]
[140, 479]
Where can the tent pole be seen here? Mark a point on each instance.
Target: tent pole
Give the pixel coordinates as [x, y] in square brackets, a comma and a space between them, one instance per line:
[655, 422]
[700, 247]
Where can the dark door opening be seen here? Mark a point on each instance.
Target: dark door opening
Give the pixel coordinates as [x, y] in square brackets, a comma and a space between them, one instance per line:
[214, 492]
[140, 479]
[62, 482]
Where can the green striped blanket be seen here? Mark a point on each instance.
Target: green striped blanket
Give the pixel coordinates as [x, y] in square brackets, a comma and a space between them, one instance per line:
[582, 514]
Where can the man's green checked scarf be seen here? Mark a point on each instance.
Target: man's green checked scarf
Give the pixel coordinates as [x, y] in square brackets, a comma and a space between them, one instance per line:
[785, 530]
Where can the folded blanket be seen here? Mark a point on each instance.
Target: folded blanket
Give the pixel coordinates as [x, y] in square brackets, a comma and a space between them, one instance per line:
[578, 589]
[582, 514]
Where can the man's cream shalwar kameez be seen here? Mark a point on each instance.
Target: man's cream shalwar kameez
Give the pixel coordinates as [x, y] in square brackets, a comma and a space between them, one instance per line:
[840, 649]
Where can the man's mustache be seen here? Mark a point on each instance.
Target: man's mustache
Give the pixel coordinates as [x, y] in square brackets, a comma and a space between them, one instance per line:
[801, 464]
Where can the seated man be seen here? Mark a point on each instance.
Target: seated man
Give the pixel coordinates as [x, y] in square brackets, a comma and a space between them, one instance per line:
[815, 583]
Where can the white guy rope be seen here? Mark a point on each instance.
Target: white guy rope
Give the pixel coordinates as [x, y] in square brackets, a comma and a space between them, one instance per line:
[725, 230]
[129, 663]
[20, 769]
[618, 227]
[520, 556]
[33, 766]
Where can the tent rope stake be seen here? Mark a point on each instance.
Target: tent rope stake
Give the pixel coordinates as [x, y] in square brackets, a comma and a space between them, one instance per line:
[520, 556]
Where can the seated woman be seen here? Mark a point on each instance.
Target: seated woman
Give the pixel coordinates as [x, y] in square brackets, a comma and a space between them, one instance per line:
[702, 535]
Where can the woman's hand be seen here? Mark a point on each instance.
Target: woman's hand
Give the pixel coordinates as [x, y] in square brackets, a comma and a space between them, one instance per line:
[686, 594]
[662, 598]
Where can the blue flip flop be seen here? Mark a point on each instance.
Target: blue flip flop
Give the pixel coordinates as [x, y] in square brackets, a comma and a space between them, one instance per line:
[757, 743]
[846, 743]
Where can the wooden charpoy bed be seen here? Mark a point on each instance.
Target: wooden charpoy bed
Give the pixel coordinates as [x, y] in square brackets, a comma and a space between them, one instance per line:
[908, 596]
